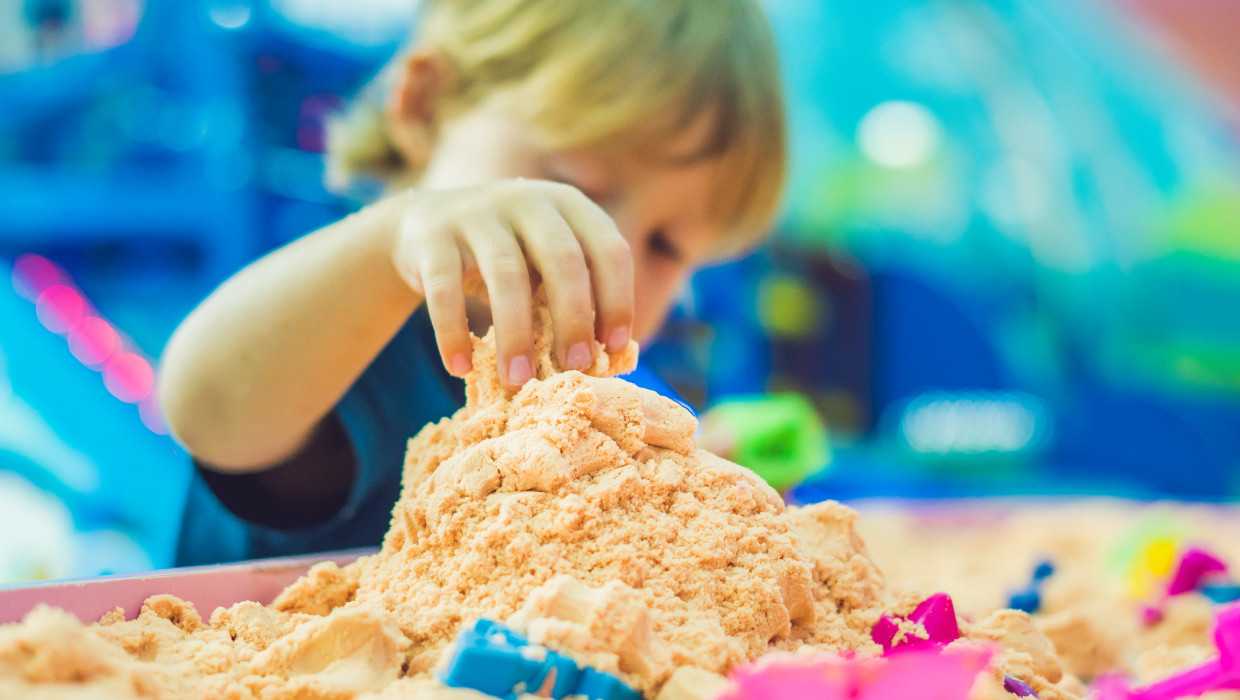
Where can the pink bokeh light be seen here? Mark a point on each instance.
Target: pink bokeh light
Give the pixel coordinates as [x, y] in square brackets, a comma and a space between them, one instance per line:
[34, 273]
[93, 340]
[129, 377]
[151, 414]
[59, 308]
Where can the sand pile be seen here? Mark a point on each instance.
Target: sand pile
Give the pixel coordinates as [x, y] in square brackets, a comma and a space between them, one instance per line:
[579, 511]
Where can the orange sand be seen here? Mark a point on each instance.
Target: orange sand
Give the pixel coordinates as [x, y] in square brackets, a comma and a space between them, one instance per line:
[577, 510]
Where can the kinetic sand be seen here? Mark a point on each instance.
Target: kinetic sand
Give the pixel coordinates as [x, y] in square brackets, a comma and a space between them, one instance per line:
[579, 511]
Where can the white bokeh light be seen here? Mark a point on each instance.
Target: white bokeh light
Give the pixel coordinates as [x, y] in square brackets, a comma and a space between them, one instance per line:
[972, 423]
[230, 15]
[367, 22]
[899, 134]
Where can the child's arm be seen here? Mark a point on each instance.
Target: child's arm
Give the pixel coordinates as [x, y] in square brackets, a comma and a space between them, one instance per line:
[254, 369]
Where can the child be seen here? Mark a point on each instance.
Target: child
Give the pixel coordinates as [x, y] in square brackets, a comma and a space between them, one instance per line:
[605, 148]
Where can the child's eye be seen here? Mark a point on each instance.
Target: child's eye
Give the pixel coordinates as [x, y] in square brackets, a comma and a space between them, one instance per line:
[660, 244]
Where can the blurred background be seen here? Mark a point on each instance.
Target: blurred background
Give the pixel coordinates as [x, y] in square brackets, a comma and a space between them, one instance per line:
[1009, 259]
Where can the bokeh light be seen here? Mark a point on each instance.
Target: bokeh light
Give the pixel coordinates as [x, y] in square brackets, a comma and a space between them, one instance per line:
[788, 307]
[969, 423]
[899, 134]
[32, 274]
[230, 14]
[93, 340]
[129, 377]
[59, 307]
[152, 415]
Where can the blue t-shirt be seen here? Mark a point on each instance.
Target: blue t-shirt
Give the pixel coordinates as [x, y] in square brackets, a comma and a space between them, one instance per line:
[405, 388]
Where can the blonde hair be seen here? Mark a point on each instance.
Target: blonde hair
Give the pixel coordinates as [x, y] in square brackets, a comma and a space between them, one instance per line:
[605, 71]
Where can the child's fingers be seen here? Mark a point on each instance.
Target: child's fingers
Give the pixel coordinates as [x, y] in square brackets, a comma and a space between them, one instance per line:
[556, 252]
[611, 264]
[502, 266]
[440, 267]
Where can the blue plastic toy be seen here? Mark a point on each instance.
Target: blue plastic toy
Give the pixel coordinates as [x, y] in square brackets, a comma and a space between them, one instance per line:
[1029, 598]
[495, 660]
[1225, 592]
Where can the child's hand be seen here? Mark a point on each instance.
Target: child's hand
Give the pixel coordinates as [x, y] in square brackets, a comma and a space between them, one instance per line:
[501, 233]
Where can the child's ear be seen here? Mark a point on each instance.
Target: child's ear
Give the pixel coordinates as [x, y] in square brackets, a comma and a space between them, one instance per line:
[414, 110]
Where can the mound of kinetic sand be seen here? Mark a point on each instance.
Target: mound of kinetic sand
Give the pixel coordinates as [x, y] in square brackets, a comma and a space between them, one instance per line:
[579, 511]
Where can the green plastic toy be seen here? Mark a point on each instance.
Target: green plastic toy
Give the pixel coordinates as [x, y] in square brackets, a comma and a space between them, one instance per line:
[780, 436]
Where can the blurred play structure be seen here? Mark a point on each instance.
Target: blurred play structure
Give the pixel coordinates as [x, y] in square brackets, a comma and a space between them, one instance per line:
[1008, 260]
[148, 150]
[88, 479]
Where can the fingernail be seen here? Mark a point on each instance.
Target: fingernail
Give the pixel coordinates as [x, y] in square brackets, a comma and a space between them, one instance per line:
[519, 370]
[618, 339]
[579, 356]
[461, 365]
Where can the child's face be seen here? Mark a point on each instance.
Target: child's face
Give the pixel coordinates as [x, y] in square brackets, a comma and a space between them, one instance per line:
[662, 209]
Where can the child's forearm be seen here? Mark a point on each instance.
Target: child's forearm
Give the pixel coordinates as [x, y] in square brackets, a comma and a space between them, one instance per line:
[252, 371]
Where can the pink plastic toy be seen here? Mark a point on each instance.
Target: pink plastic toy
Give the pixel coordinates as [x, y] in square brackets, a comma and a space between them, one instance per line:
[1195, 568]
[925, 674]
[1223, 673]
[935, 614]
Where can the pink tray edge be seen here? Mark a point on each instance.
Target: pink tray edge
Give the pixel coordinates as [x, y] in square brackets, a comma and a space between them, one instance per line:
[207, 587]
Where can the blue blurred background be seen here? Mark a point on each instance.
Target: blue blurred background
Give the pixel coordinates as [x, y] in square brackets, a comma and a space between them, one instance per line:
[1007, 262]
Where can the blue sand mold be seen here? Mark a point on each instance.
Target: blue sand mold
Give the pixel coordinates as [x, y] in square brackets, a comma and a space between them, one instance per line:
[495, 660]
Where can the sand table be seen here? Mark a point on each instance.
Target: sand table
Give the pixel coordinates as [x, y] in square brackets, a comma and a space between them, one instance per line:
[577, 510]
[1089, 607]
